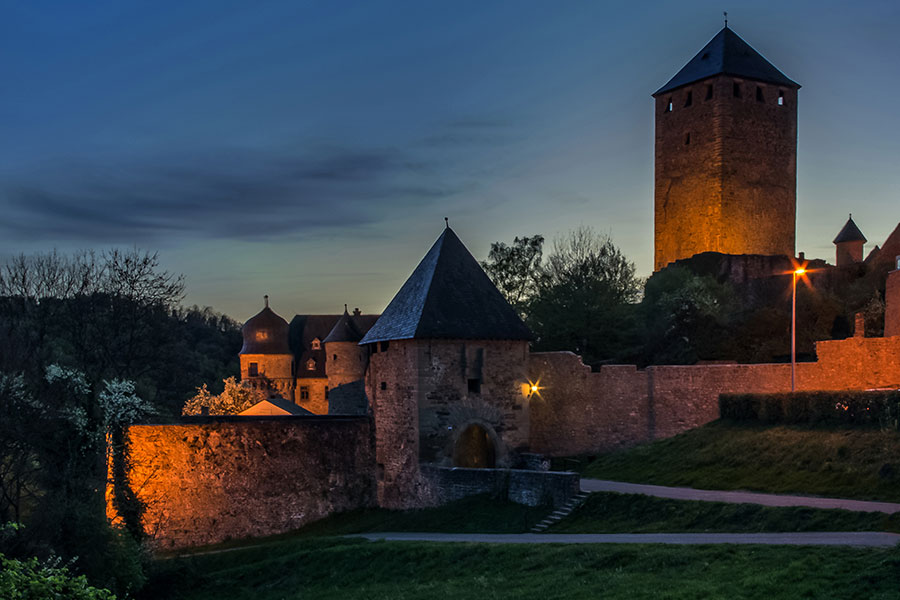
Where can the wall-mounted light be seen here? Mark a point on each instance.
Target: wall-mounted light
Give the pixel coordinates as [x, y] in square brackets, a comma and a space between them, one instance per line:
[531, 388]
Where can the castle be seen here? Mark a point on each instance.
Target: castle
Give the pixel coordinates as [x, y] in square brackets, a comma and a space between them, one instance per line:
[416, 405]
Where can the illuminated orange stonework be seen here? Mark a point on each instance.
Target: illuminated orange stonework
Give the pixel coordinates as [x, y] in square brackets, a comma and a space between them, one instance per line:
[725, 169]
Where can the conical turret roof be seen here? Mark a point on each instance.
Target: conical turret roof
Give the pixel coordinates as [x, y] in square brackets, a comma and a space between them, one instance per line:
[345, 330]
[265, 333]
[727, 54]
[850, 233]
[448, 296]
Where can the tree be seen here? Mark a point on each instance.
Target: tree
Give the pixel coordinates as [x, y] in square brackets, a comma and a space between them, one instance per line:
[686, 317]
[585, 298]
[516, 270]
[236, 397]
[80, 341]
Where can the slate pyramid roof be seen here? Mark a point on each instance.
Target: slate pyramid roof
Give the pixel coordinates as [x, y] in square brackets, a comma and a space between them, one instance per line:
[344, 330]
[850, 233]
[727, 54]
[448, 296]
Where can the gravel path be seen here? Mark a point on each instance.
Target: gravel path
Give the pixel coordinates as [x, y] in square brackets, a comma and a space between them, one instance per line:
[680, 493]
[848, 538]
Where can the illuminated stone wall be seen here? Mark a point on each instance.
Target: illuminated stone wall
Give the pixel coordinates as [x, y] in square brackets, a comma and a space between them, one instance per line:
[216, 479]
[316, 402]
[725, 170]
[892, 304]
[274, 373]
[583, 412]
[422, 401]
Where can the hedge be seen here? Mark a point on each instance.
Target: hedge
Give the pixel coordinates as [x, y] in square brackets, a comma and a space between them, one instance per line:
[881, 408]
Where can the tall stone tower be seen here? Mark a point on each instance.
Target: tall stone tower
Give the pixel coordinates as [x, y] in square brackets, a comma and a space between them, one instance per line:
[726, 155]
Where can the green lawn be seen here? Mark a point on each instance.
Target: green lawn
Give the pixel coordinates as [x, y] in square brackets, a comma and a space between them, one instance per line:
[847, 463]
[632, 513]
[336, 568]
[476, 514]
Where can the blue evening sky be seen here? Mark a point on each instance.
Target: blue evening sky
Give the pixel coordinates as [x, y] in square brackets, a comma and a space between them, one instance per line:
[310, 150]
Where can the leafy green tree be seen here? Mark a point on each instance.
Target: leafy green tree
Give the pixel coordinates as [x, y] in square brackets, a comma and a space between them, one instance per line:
[686, 317]
[585, 297]
[516, 269]
[33, 579]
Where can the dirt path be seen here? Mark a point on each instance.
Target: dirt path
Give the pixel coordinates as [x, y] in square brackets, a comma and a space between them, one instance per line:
[680, 493]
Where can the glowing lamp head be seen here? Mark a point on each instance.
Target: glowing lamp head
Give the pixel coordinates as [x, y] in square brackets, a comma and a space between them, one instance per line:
[534, 388]
[800, 271]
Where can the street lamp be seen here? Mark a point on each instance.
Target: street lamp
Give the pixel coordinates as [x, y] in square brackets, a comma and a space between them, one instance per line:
[796, 273]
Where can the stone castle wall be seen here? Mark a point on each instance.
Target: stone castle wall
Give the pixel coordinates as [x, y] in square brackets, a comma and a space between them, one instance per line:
[725, 170]
[215, 479]
[346, 364]
[892, 304]
[421, 400]
[583, 412]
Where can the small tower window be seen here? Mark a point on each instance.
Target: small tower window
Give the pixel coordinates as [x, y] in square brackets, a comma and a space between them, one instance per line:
[687, 139]
[326, 392]
[689, 100]
[384, 346]
[384, 385]
[316, 344]
[334, 358]
[304, 392]
[474, 386]
[311, 365]
[709, 92]
[780, 97]
[759, 94]
[669, 105]
[253, 369]
[736, 89]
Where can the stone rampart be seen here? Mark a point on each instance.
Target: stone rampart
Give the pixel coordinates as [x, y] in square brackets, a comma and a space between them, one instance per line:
[208, 480]
[579, 411]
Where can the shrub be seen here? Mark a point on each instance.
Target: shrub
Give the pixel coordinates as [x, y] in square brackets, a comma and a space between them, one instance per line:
[33, 580]
[881, 408]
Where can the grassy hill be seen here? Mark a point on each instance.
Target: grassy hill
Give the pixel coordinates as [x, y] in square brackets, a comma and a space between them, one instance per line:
[632, 513]
[846, 463]
[345, 569]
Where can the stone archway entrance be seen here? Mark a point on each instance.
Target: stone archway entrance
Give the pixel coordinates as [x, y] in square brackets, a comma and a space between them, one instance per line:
[474, 449]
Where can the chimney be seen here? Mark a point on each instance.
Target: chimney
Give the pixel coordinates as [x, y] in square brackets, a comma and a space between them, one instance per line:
[859, 325]
[356, 312]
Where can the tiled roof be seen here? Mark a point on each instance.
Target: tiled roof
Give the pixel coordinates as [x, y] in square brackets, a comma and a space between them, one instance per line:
[344, 330]
[727, 54]
[850, 233]
[448, 296]
[306, 328]
[265, 333]
[285, 405]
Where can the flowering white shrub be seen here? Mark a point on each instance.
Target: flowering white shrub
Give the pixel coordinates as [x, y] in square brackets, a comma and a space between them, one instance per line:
[119, 403]
[236, 397]
[72, 378]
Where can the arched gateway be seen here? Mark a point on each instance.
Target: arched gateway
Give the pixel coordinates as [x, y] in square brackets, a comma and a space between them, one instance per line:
[474, 449]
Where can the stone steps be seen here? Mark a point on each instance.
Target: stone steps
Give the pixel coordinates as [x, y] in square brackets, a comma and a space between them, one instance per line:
[561, 513]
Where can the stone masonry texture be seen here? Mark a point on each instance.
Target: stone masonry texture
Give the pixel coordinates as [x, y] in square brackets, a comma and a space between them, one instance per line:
[578, 411]
[725, 170]
[421, 401]
[203, 483]
[892, 304]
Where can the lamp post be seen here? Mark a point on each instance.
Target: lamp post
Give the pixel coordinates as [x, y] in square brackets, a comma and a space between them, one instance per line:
[797, 272]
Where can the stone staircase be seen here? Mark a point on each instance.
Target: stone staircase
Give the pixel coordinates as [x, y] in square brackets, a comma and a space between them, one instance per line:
[561, 512]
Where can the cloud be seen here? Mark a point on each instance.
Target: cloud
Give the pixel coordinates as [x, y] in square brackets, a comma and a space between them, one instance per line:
[248, 195]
